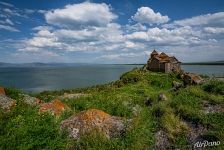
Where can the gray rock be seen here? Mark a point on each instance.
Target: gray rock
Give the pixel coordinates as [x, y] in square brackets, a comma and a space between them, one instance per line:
[94, 119]
[31, 100]
[6, 103]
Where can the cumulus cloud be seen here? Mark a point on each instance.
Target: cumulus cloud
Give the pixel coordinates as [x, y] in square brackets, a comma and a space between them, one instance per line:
[90, 29]
[148, 16]
[82, 14]
[163, 36]
[135, 27]
[214, 30]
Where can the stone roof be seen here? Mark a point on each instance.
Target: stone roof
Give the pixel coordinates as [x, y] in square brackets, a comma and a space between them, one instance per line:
[163, 57]
[154, 52]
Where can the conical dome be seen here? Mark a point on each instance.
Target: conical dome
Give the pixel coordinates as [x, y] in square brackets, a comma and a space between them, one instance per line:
[154, 53]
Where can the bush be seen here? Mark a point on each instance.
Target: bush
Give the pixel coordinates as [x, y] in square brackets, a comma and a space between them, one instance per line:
[214, 86]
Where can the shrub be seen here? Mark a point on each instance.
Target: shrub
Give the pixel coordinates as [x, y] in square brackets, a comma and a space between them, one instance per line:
[214, 86]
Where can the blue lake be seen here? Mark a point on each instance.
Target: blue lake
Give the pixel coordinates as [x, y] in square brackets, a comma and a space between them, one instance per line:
[37, 79]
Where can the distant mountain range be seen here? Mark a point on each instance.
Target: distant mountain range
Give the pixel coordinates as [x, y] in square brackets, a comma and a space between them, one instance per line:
[205, 63]
[38, 64]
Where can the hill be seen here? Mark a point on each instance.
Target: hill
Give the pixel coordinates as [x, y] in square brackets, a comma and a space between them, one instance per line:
[183, 117]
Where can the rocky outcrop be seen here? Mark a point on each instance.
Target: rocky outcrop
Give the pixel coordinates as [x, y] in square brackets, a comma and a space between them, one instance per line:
[94, 119]
[191, 78]
[55, 107]
[31, 100]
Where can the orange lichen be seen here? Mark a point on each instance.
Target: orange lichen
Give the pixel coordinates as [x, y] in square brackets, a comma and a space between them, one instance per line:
[56, 107]
[2, 90]
[93, 119]
[93, 114]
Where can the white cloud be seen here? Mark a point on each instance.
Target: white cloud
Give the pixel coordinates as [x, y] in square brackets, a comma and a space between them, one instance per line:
[216, 19]
[85, 30]
[147, 15]
[42, 28]
[162, 36]
[138, 36]
[6, 4]
[135, 27]
[214, 30]
[9, 28]
[8, 21]
[82, 14]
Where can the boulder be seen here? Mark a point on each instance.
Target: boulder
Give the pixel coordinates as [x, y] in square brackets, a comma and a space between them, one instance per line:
[31, 100]
[162, 97]
[55, 107]
[191, 78]
[2, 91]
[94, 119]
[6, 103]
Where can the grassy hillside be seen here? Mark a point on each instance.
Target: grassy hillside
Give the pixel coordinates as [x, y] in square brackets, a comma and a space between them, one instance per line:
[179, 116]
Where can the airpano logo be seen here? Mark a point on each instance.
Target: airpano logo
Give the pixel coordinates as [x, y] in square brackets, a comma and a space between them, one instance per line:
[206, 143]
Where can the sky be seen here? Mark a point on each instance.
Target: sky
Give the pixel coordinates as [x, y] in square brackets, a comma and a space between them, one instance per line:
[110, 31]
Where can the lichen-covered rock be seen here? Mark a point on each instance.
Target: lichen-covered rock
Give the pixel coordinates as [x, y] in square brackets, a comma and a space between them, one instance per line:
[94, 119]
[31, 100]
[2, 91]
[6, 103]
[55, 107]
[191, 78]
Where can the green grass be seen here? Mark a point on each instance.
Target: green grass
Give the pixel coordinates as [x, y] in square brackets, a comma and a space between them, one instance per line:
[26, 129]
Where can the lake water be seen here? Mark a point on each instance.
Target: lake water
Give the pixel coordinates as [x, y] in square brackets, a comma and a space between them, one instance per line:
[37, 79]
[210, 70]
